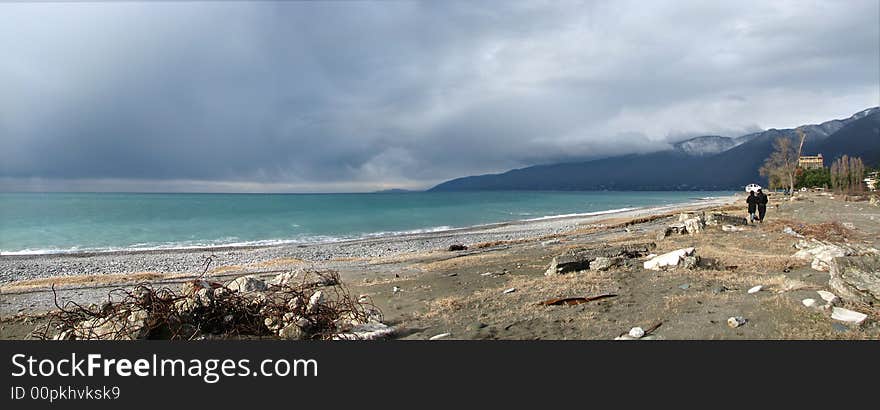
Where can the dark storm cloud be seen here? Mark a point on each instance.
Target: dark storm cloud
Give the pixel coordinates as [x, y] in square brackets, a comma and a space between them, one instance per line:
[357, 96]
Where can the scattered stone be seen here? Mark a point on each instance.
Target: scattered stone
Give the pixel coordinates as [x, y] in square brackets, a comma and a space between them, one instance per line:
[857, 278]
[691, 262]
[823, 253]
[457, 247]
[828, 297]
[787, 230]
[440, 336]
[731, 228]
[724, 219]
[846, 315]
[247, 284]
[397, 289]
[511, 290]
[755, 289]
[581, 259]
[367, 331]
[809, 302]
[315, 301]
[636, 332]
[292, 332]
[670, 259]
[736, 321]
[686, 286]
[602, 263]
[719, 289]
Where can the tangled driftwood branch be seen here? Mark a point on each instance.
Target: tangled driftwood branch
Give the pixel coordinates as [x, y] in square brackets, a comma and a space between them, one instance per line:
[308, 304]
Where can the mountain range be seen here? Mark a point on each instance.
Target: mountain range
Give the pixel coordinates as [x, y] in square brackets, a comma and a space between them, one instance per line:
[708, 162]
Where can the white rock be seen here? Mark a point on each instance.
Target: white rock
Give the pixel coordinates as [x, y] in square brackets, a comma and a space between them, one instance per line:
[736, 321]
[828, 296]
[249, 283]
[636, 332]
[846, 315]
[511, 290]
[367, 331]
[396, 289]
[315, 301]
[731, 228]
[755, 289]
[809, 302]
[440, 336]
[670, 259]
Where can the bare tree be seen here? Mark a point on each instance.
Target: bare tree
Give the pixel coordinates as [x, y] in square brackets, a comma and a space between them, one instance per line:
[780, 167]
[847, 174]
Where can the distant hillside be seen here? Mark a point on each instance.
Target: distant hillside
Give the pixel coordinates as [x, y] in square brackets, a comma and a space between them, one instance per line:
[702, 163]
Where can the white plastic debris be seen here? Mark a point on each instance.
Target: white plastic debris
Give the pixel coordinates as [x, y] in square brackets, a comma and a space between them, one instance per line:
[809, 302]
[396, 289]
[511, 290]
[440, 336]
[846, 315]
[636, 332]
[755, 289]
[736, 321]
[668, 259]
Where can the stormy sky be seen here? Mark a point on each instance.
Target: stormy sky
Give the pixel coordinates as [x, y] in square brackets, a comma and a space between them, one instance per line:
[328, 97]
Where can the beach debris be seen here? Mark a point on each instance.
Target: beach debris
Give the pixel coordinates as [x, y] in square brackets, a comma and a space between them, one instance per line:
[828, 297]
[846, 315]
[856, 278]
[787, 230]
[821, 254]
[691, 262]
[808, 302]
[440, 336]
[582, 258]
[247, 284]
[731, 228]
[575, 300]
[736, 321]
[550, 242]
[722, 219]
[685, 286]
[602, 263]
[511, 290]
[670, 259]
[457, 247]
[689, 223]
[367, 331]
[636, 332]
[203, 309]
[755, 289]
[397, 289]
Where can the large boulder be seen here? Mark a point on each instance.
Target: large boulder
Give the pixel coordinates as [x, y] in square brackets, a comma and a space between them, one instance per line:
[724, 219]
[857, 278]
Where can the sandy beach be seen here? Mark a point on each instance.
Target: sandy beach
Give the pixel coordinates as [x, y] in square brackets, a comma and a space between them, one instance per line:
[463, 292]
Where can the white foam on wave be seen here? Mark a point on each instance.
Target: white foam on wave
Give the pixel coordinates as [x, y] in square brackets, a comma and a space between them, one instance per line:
[609, 211]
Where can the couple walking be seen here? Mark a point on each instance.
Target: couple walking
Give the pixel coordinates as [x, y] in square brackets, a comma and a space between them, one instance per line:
[757, 201]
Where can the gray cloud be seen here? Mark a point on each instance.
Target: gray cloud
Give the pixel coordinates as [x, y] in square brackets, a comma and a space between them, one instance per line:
[358, 96]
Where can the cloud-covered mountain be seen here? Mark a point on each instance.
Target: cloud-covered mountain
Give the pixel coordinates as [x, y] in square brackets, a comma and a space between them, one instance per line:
[691, 164]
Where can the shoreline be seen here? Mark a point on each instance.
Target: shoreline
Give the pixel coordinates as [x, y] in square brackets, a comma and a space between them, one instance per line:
[338, 255]
[379, 236]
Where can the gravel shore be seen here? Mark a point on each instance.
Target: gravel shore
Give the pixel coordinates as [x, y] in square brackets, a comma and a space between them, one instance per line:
[192, 261]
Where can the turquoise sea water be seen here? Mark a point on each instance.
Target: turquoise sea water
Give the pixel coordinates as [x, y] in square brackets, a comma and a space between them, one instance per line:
[71, 222]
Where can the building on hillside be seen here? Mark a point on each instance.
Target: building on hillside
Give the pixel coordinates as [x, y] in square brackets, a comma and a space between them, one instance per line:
[811, 161]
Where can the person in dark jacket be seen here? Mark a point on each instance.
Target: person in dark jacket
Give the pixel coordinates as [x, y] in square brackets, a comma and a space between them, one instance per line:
[762, 205]
[752, 200]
